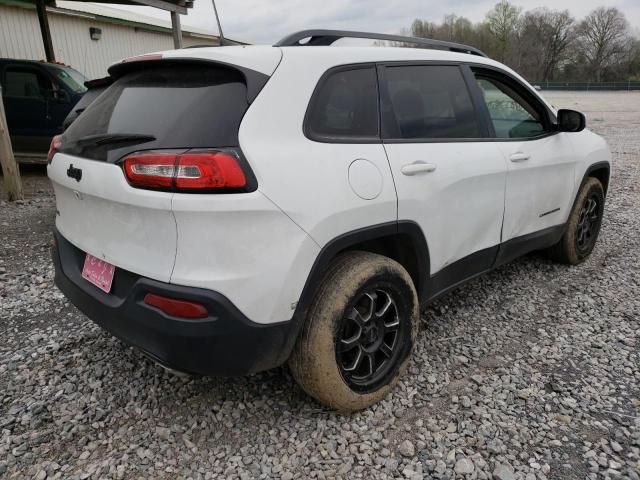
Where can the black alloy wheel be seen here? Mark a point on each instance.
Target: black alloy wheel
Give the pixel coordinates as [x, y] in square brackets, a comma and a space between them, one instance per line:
[359, 332]
[369, 339]
[588, 223]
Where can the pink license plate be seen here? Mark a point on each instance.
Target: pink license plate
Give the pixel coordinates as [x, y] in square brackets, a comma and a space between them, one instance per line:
[98, 272]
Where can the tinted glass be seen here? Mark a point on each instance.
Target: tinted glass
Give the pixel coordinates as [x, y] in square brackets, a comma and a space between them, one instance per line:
[430, 102]
[185, 106]
[26, 83]
[345, 106]
[71, 78]
[511, 115]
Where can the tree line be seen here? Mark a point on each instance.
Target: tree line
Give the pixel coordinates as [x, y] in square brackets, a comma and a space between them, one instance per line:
[547, 45]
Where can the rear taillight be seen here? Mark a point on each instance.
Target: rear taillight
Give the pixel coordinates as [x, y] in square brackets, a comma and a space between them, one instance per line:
[56, 143]
[176, 308]
[151, 170]
[185, 172]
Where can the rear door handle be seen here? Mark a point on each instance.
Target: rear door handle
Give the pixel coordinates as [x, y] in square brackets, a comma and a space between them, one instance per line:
[417, 167]
[519, 157]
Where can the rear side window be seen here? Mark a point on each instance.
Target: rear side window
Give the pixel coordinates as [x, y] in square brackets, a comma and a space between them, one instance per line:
[429, 102]
[161, 107]
[345, 107]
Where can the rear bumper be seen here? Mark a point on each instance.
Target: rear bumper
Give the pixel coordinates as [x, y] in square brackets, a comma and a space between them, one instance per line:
[225, 343]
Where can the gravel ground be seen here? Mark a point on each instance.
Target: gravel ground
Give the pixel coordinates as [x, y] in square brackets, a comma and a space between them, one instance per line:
[530, 372]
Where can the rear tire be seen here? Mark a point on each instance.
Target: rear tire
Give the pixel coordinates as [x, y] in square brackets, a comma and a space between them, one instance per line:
[359, 332]
[583, 225]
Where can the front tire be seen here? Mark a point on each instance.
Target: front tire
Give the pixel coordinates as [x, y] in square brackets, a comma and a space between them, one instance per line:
[359, 332]
[583, 225]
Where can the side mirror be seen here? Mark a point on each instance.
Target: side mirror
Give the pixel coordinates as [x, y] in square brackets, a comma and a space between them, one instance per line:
[63, 96]
[59, 96]
[570, 121]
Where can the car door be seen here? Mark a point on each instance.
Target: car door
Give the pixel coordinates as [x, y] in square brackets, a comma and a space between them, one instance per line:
[67, 90]
[25, 95]
[540, 160]
[450, 178]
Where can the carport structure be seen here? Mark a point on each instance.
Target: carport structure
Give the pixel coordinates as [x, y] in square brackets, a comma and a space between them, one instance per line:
[10, 169]
[175, 7]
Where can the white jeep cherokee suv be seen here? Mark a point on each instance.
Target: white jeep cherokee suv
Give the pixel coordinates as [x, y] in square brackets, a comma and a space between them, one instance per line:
[227, 210]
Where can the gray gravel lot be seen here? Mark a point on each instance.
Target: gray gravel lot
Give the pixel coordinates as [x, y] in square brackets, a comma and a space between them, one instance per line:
[530, 372]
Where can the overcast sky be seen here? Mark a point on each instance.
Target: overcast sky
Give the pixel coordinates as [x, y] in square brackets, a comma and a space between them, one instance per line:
[266, 21]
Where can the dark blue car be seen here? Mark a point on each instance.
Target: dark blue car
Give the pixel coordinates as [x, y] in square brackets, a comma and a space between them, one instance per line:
[37, 98]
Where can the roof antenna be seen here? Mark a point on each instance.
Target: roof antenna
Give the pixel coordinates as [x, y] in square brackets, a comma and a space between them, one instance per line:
[215, 10]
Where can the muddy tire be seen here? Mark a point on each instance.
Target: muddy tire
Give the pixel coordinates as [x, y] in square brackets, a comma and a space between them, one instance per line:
[583, 225]
[359, 332]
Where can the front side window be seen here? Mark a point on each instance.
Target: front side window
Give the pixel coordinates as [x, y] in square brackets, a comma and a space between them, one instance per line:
[511, 115]
[71, 78]
[26, 83]
[345, 107]
[429, 102]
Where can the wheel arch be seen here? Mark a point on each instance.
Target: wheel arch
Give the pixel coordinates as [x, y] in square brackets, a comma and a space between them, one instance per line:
[403, 241]
[601, 171]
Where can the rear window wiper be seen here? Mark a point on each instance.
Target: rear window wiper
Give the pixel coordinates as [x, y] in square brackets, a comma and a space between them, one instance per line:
[109, 138]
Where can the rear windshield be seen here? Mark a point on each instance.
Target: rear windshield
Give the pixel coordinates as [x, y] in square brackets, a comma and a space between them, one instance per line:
[162, 107]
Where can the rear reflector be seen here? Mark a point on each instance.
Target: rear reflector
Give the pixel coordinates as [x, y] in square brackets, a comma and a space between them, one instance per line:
[176, 308]
[56, 142]
[191, 171]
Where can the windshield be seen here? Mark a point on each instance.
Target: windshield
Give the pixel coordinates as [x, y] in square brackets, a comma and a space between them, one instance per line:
[71, 78]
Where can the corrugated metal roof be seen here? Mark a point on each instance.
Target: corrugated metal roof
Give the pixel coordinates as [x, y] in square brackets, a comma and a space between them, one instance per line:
[126, 15]
[116, 15]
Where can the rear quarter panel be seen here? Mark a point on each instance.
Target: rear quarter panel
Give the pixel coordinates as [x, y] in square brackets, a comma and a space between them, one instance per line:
[309, 180]
[244, 247]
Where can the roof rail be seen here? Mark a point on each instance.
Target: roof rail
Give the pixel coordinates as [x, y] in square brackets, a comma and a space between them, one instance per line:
[328, 37]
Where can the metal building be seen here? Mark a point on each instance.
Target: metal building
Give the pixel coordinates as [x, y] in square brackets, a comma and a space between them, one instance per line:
[87, 36]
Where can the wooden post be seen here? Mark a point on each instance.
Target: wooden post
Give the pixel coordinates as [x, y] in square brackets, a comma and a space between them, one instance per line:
[7, 160]
[45, 31]
[177, 30]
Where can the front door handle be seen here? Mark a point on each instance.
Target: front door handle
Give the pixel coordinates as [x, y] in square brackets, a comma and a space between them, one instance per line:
[519, 157]
[417, 167]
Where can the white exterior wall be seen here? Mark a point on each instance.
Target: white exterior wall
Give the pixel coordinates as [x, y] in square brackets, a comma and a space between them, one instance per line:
[20, 38]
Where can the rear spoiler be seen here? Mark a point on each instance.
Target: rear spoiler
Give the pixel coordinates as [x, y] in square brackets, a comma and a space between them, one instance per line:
[99, 82]
[255, 81]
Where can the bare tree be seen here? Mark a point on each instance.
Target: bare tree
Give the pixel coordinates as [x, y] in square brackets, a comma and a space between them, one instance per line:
[546, 37]
[604, 36]
[631, 66]
[542, 44]
[503, 23]
[455, 29]
[423, 29]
